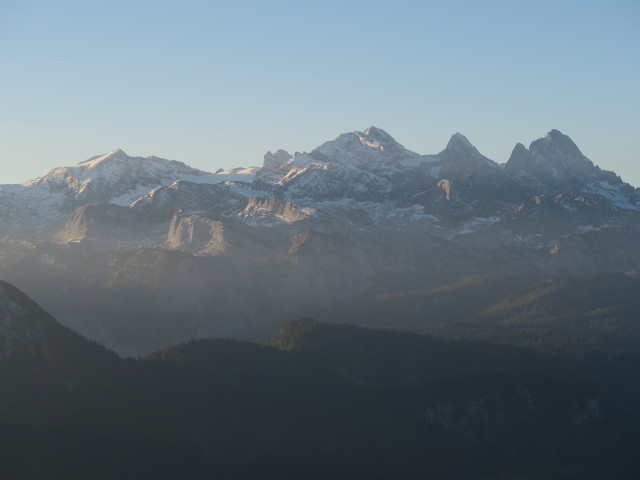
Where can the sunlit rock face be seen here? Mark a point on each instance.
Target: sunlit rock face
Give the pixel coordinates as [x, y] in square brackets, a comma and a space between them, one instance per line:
[196, 234]
[360, 215]
[361, 178]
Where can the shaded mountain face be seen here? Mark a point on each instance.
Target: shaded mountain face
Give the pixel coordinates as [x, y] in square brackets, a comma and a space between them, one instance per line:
[317, 401]
[356, 217]
[28, 333]
[555, 161]
[358, 230]
[572, 315]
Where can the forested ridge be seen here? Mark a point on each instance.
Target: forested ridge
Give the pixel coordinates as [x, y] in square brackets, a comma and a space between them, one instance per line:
[325, 400]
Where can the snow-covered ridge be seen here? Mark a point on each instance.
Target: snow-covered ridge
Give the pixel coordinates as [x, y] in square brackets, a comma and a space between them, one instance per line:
[361, 176]
[617, 194]
[115, 178]
[372, 145]
[115, 167]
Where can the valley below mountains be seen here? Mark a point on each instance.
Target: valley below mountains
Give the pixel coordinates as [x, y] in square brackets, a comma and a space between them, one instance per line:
[356, 311]
[316, 401]
[140, 253]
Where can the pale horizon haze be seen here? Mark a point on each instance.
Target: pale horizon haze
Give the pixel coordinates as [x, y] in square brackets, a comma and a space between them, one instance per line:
[217, 84]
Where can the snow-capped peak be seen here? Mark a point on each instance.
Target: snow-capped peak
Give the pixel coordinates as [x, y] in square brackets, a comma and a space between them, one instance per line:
[375, 134]
[115, 177]
[371, 146]
[94, 161]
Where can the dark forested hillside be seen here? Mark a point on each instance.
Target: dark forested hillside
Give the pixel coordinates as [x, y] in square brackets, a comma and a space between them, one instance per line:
[566, 315]
[319, 401]
[592, 320]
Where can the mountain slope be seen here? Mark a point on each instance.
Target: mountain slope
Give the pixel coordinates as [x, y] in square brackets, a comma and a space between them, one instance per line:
[115, 178]
[338, 378]
[320, 401]
[35, 209]
[363, 178]
[29, 333]
[357, 217]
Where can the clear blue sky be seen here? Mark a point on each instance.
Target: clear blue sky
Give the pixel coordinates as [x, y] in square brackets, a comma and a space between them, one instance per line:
[218, 83]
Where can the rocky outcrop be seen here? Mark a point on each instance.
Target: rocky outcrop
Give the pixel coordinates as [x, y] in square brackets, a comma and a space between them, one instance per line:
[555, 161]
[196, 234]
[270, 209]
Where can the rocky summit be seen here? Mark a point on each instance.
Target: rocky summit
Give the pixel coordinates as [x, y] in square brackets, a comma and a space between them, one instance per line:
[358, 216]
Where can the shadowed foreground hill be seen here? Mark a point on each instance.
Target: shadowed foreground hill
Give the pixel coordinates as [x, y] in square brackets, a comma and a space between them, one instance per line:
[29, 334]
[320, 401]
[592, 320]
[588, 313]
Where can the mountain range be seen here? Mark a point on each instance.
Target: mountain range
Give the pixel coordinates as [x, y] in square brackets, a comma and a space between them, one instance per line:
[357, 311]
[153, 251]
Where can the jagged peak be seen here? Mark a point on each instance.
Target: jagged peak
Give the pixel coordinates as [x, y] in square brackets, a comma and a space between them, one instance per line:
[519, 159]
[557, 141]
[378, 134]
[519, 152]
[371, 143]
[460, 142]
[555, 159]
[560, 149]
[553, 134]
[377, 138]
[369, 135]
[278, 154]
[275, 160]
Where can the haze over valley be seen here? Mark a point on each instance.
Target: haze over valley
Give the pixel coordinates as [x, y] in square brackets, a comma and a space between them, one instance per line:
[211, 267]
[141, 253]
[516, 271]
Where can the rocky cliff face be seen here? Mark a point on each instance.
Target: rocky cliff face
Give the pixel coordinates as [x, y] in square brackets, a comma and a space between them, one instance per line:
[270, 209]
[363, 179]
[556, 162]
[359, 215]
[38, 207]
[196, 234]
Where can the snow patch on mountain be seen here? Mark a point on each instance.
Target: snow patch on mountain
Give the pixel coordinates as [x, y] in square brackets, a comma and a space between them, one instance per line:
[371, 146]
[131, 196]
[115, 177]
[362, 178]
[239, 174]
[613, 193]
